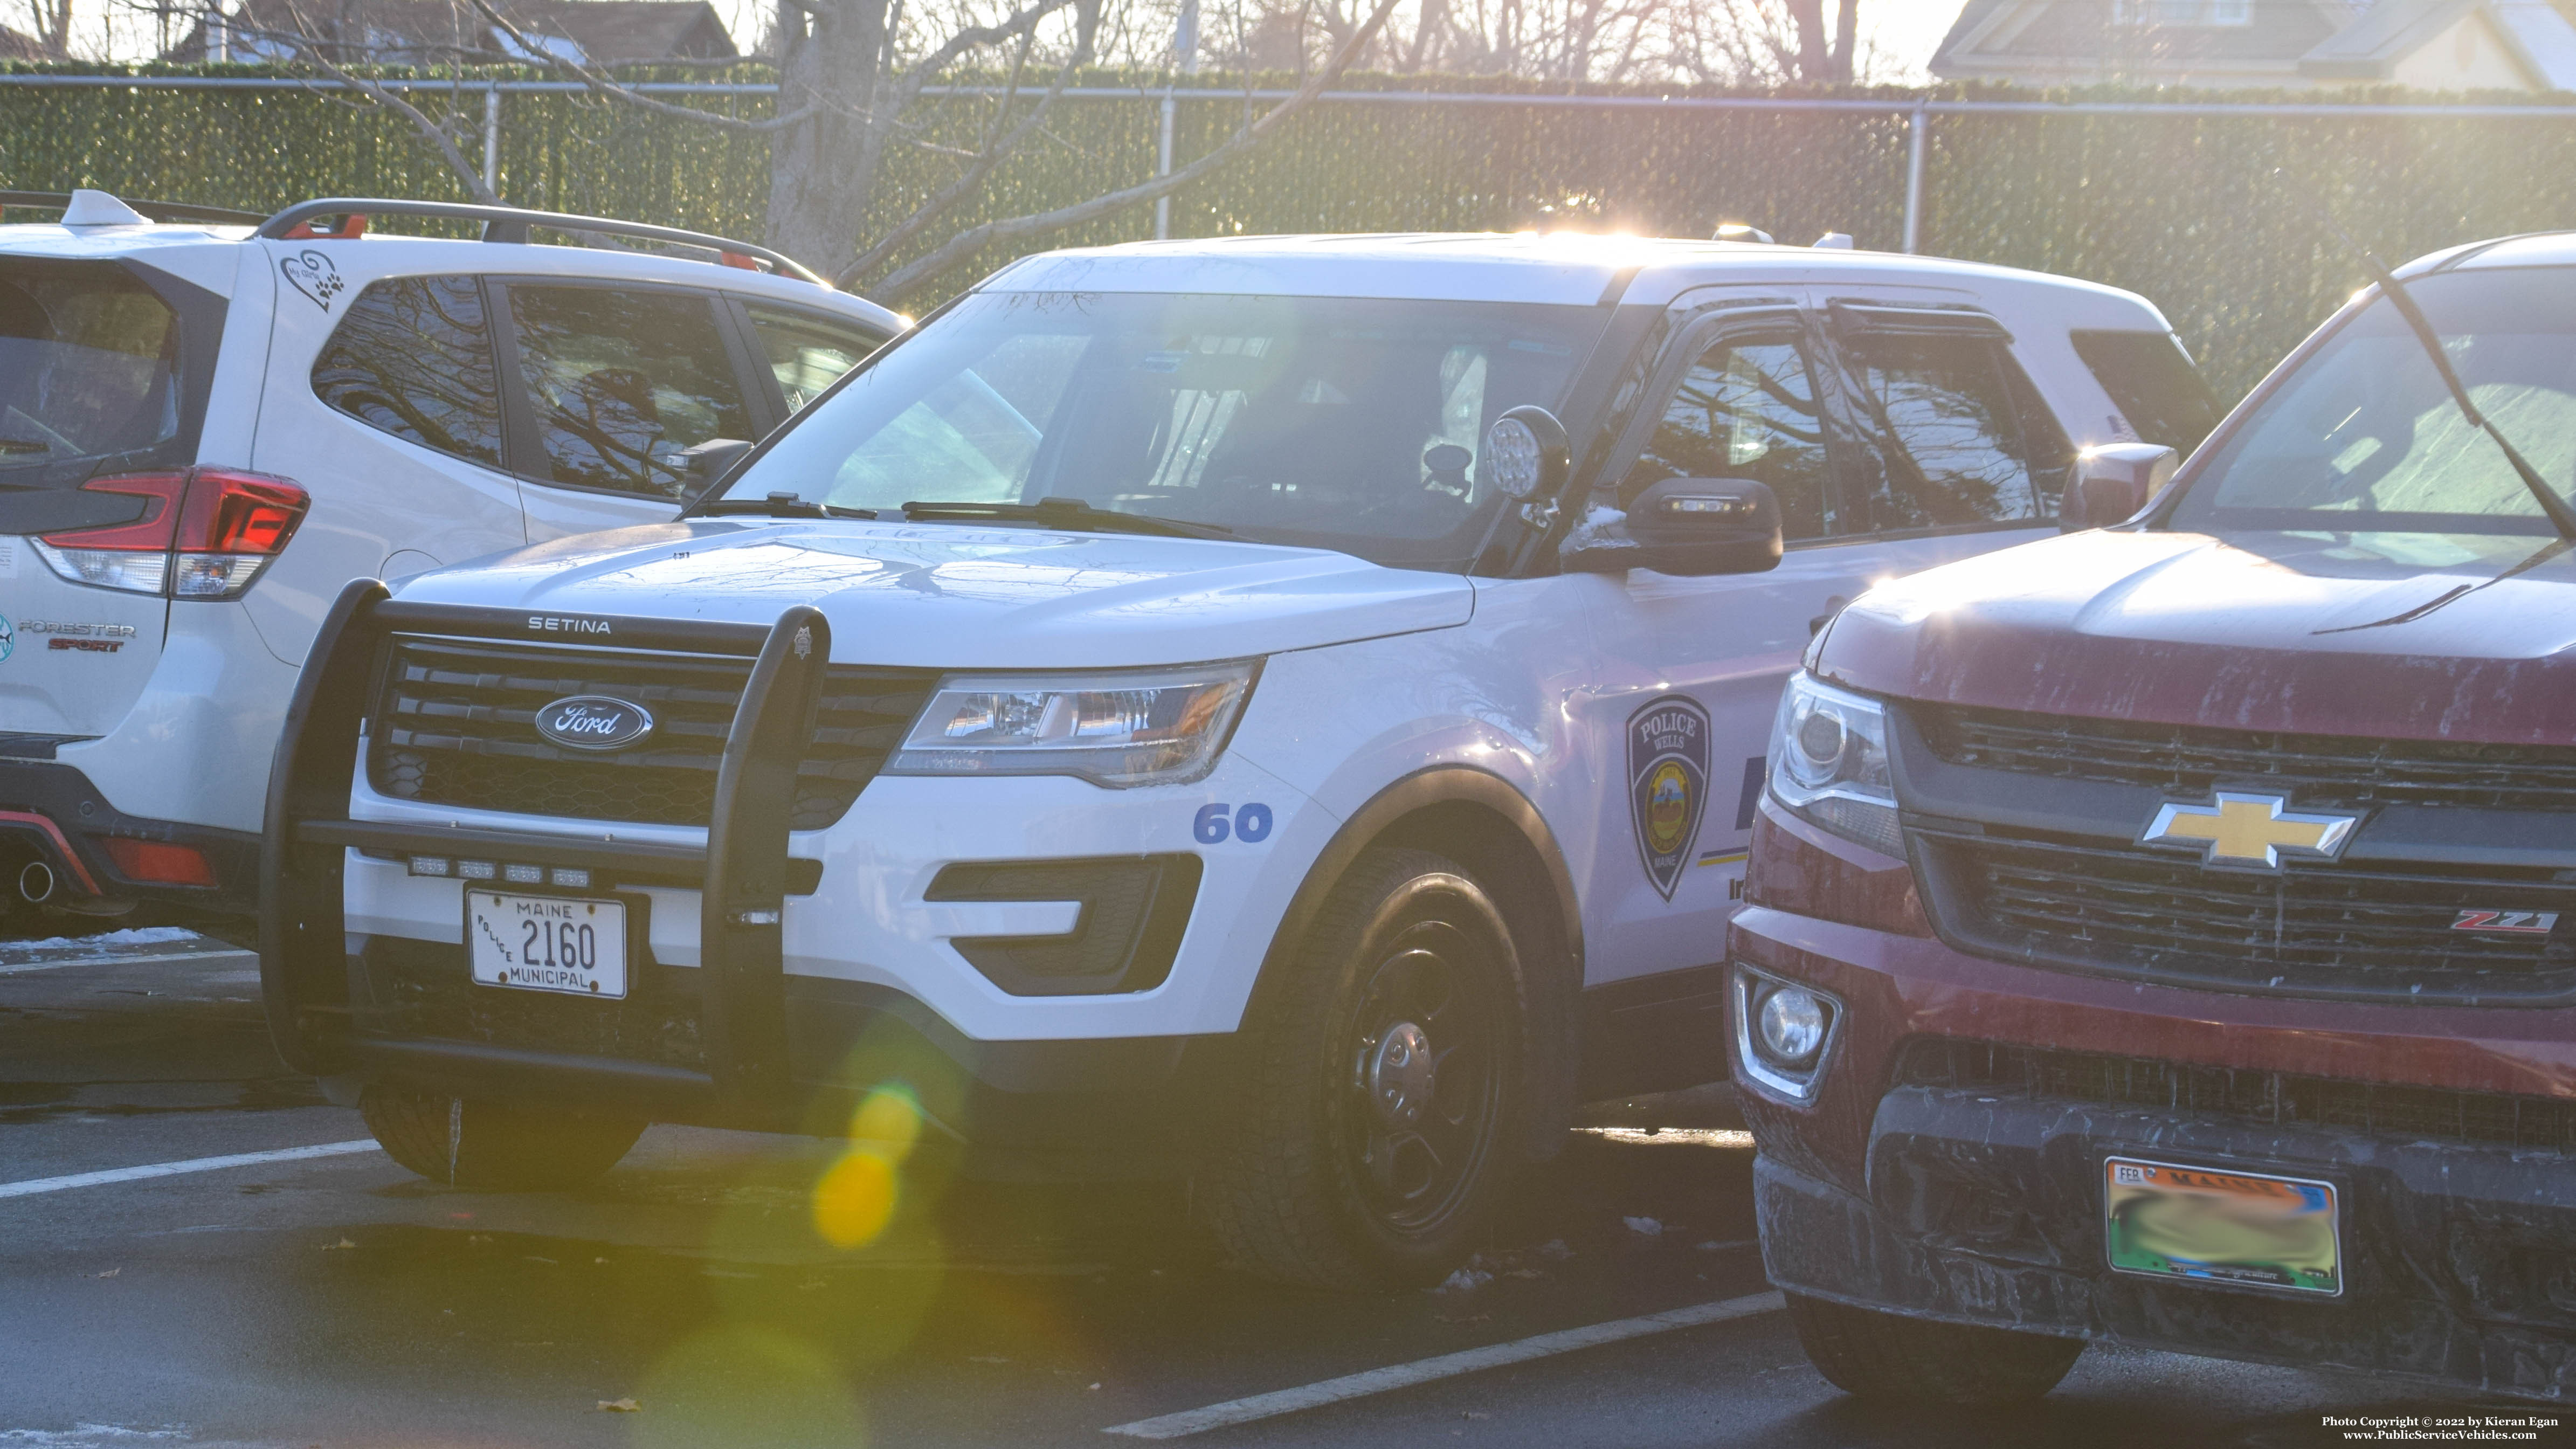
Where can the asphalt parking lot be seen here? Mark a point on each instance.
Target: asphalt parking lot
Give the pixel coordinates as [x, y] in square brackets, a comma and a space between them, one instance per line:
[328, 1298]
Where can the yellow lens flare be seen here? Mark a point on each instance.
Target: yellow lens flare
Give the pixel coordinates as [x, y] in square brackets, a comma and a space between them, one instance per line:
[855, 1200]
[856, 1197]
[888, 1122]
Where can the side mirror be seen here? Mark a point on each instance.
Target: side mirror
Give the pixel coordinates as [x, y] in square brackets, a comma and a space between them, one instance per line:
[1527, 454]
[707, 463]
[2112, 482]
[1691, 527]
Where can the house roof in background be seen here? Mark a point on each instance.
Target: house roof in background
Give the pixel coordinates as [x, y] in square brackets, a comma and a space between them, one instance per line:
[394, 31]
[14, 46]
[2283, 41]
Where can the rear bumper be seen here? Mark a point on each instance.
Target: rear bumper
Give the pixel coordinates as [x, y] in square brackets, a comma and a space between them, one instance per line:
[1905, 1183]
[54, 813]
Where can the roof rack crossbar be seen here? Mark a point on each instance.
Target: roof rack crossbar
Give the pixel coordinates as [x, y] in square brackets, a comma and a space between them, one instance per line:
[157, 210]
[510, 223]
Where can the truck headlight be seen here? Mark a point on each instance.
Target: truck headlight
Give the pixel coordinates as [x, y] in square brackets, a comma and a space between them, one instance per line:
[1134, 727]
[1829, 763]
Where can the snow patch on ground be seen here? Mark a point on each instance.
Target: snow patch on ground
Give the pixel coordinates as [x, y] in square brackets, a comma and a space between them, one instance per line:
[130, 936]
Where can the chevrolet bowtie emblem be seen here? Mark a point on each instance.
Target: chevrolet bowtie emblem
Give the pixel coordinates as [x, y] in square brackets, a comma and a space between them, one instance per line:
[2247, 829]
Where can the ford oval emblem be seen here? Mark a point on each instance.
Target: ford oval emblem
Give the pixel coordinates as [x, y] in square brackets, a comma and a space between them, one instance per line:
[594, 722]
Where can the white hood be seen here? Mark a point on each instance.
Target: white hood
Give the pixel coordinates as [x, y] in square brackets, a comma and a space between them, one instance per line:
[962, 597]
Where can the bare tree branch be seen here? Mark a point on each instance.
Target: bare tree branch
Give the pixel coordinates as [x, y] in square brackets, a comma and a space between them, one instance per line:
[607, 87]
[974, 239]
[430, 130]
[995, 150]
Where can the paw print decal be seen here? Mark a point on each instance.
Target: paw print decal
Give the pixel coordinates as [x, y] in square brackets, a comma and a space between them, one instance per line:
[311, 273]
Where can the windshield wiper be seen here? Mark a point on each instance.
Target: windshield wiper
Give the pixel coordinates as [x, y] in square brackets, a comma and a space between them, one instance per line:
[1071, 514]
[777, 505]
[2561, 517]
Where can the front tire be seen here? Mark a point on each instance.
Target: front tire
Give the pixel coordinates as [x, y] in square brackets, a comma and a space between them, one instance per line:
[1875, 1355]
[1368, 1132]
[491, 1146]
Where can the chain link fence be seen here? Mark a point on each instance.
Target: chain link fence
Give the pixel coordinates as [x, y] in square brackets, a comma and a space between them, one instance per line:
[2169, 197]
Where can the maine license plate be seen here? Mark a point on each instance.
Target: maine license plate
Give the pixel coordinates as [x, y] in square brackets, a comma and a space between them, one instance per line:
[547, 943]
[2222, 1226]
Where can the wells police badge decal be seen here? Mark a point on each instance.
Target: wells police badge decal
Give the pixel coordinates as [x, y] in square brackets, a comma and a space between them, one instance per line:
[1667, 784]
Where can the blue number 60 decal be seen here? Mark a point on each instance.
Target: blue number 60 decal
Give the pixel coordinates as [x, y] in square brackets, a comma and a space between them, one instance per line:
[1250, 824]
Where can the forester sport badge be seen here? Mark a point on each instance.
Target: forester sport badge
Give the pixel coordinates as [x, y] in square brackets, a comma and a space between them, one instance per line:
[594, 722]
[2242, 828]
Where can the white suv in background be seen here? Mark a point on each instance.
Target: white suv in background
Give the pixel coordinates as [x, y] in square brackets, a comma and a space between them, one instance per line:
[209, 424]
[1289, 710]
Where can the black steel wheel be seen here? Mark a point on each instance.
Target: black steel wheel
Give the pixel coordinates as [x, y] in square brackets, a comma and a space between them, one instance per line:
[1365, 1137]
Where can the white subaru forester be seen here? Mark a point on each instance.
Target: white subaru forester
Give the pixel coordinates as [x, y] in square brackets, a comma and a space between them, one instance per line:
[1285, 710]
[211, 422]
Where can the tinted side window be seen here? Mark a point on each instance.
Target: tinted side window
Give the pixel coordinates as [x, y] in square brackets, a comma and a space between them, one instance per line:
[413, 358]
[2154, 385]
[1957, 448]
[1745, 409]
[622, 383]
[806, 355]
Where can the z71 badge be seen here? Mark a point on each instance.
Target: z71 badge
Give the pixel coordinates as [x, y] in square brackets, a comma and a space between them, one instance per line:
[1667, 784]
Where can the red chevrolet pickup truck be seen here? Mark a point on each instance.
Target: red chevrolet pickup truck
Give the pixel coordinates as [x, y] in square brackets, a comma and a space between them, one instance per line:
[2166, 933]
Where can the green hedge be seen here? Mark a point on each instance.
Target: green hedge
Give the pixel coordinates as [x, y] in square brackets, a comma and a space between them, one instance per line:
[2179, 208]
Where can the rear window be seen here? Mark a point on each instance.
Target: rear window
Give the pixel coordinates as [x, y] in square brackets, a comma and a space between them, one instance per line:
[2153, 384]
[89, 363]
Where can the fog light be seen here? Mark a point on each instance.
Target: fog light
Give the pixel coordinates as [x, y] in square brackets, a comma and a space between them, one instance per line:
[577, 879]
[477, 869]
[1791, 1026]
[1783, 1032]
[430, 865]
[524, 874]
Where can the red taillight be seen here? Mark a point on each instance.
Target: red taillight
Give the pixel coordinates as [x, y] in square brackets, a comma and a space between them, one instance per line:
[153, 860]
[204, 534]
[239, 513]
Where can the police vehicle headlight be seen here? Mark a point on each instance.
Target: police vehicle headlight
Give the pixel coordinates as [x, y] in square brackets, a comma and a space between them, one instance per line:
[1139, 727]
[1829, 763]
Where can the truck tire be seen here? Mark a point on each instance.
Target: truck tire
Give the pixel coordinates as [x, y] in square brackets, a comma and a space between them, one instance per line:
[1874, 1355]
[1365, 1136]
[491, 1146]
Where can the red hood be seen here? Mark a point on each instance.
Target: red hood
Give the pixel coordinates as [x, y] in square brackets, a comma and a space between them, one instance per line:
[2259, 632]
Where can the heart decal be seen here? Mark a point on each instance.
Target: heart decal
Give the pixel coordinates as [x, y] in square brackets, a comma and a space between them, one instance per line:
[311, 273]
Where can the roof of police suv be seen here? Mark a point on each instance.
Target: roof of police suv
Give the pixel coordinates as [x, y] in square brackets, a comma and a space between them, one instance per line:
[1563, 268]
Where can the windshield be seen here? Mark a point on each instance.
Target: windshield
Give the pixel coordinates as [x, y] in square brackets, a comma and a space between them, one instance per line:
[1341, 423]
[2365, 436]
[89, 363]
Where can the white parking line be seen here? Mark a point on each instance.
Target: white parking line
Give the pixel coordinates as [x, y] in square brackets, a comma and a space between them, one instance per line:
[33, 1185]
[1447, 1365]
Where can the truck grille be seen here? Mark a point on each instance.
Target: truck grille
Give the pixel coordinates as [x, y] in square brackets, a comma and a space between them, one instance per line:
[2316, 770]
[2270, 1099]
[455, 724]
[2332, 931]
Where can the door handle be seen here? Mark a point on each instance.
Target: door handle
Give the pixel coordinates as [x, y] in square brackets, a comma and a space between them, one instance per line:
[1833, 605]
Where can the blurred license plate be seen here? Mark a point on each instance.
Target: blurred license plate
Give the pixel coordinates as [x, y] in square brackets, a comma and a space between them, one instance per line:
[2222, 1226]
[547, 943]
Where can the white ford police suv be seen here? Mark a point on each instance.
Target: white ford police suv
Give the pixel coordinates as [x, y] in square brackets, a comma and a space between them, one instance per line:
[1288, 709]
[211, 423]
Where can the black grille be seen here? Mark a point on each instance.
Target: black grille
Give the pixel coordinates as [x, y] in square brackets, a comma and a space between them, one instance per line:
[2332, 930]
[2316, 770]
[2270, 1099]
[456, 725]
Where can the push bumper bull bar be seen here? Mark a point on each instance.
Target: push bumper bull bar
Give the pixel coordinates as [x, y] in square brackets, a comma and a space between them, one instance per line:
[742, 873]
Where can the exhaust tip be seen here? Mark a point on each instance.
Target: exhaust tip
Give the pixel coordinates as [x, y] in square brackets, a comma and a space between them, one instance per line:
[36, 882]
